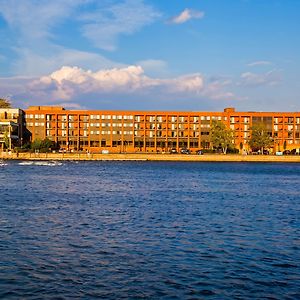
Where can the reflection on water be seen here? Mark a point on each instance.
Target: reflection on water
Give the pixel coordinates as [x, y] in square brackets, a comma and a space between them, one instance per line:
[149, 230]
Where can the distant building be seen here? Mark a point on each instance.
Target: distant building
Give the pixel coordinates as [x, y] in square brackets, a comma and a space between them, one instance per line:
[11, 127]
[156, 131]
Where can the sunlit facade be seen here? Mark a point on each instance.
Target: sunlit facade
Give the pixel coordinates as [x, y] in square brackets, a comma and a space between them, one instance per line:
[154, 131]
[11, 127]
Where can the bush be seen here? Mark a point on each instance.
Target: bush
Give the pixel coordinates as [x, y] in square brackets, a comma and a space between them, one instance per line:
[43, 146]
[209, 151]
[233, 151]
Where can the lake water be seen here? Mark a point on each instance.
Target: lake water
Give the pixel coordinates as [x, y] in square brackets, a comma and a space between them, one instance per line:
[149, 230]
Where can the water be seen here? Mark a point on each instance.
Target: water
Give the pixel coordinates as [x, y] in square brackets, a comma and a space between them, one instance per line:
[134, 230]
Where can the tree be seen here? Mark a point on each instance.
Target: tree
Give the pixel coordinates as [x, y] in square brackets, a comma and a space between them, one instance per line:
[47, 145]
[42, 145]
[241, 146]
[6, 139]
[4, 103]
[260, 138]
[221, 136]
[36, 144]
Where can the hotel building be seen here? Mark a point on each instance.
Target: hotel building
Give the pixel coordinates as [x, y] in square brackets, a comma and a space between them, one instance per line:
[154, 131]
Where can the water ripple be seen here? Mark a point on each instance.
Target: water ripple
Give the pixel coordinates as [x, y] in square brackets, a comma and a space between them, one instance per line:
[119, 230]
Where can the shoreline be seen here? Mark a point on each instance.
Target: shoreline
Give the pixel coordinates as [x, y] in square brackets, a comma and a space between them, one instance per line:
[150, 157]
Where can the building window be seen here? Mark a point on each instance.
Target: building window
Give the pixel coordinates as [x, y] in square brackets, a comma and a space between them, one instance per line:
[39, 116]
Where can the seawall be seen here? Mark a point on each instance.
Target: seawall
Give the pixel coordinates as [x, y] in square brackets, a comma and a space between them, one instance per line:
[151, 157]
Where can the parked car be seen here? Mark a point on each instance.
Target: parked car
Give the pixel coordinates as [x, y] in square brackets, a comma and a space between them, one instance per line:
[255, 152]
[185, 151]
[173, 151]
[265, 152]
[295, 151]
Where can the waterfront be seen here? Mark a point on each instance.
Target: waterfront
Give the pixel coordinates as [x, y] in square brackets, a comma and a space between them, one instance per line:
[172, 230]
[149, 157]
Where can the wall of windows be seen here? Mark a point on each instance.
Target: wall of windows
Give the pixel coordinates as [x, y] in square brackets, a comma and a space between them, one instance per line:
[126, 131]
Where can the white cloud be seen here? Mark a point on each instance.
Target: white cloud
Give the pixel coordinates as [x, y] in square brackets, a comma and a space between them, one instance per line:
[33, 26]
[33, 20]
[69, 81]
[116, 88]
[259, 63]
[106, 23]
[270, 78]
[69, 105]
[216, 89]
[153, 66]
[31, 63]
[186, 15]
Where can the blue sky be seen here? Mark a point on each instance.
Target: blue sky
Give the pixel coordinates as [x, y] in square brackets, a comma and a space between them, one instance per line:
[185, 55]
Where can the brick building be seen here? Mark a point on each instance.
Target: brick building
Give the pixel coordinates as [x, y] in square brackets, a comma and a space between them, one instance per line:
[153, 131]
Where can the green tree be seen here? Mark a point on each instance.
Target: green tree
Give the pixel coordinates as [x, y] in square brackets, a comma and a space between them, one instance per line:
[221, 136]
[260, 138]
[42, 145]
[4, 103]
[6, 139]
[47, 145]
[36, 144]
